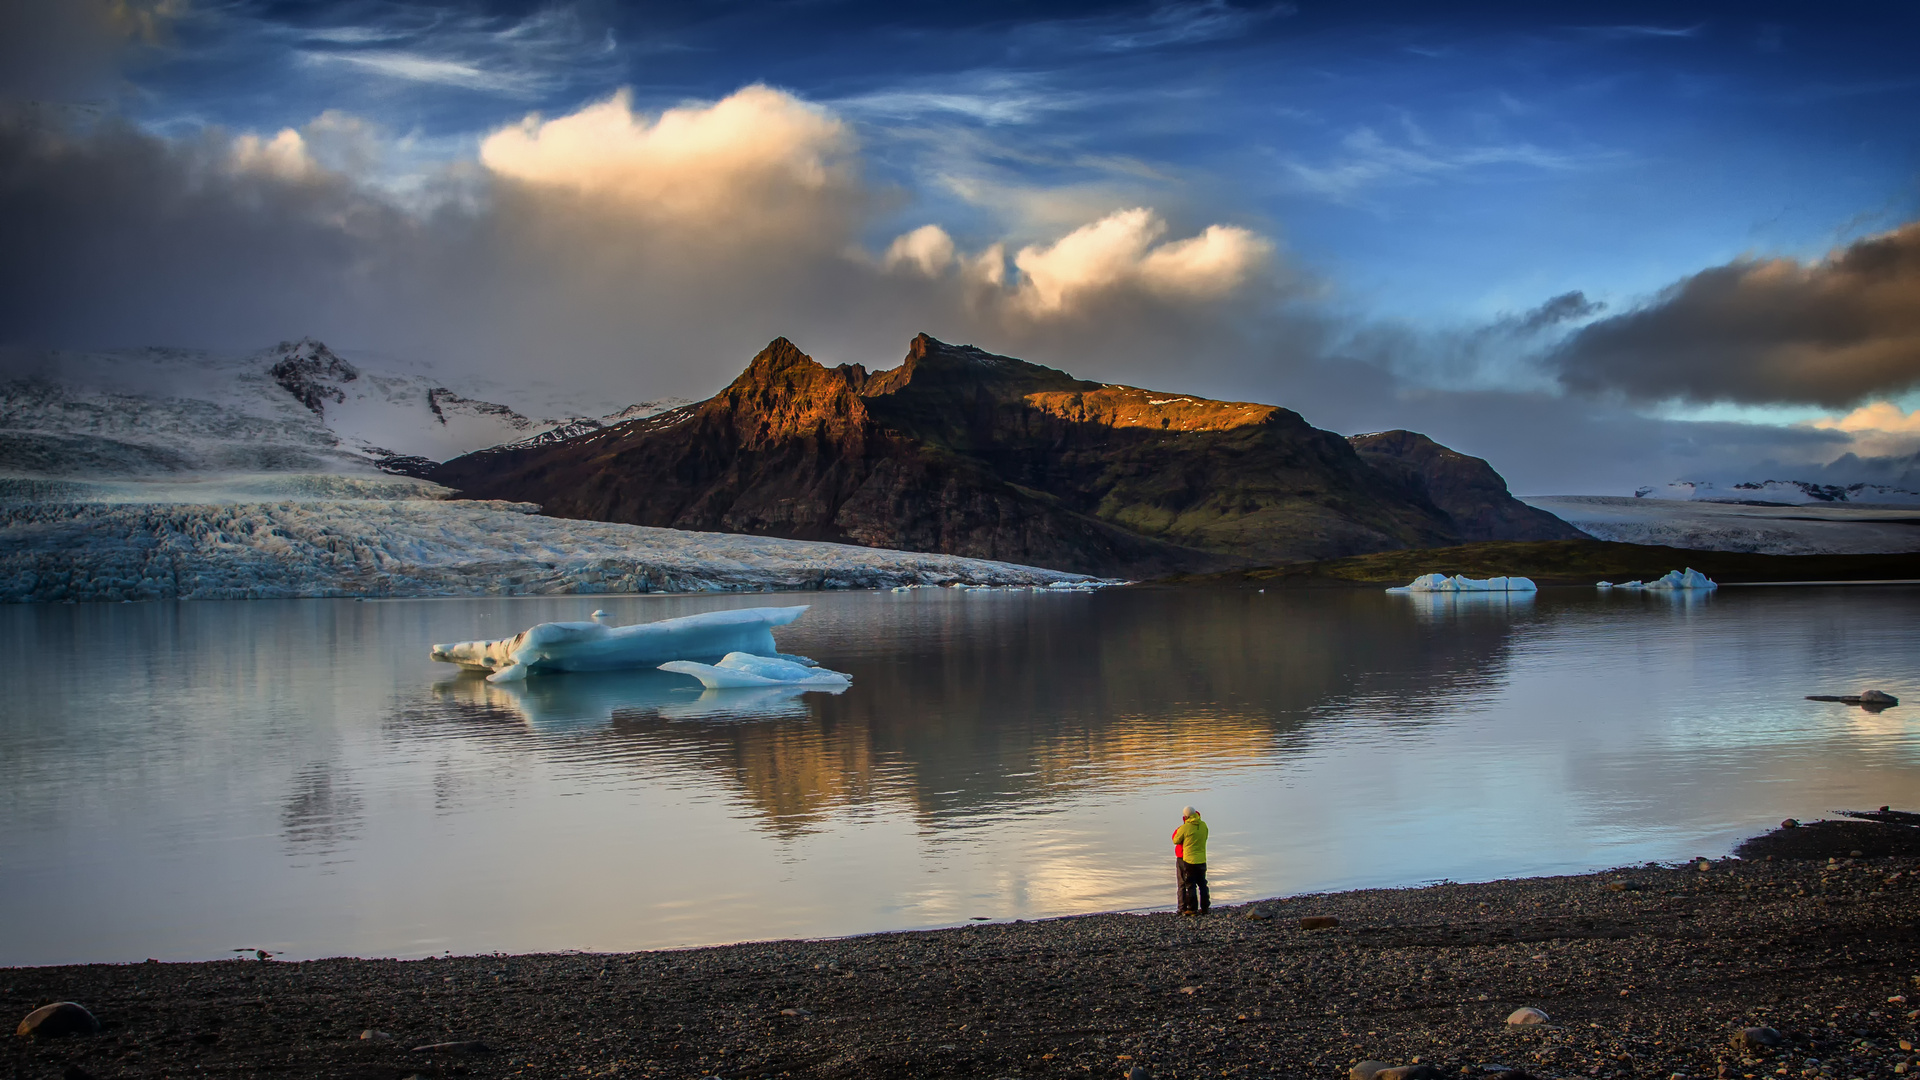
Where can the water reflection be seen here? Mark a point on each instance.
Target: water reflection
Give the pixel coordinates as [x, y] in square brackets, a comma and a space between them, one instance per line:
[301, 775]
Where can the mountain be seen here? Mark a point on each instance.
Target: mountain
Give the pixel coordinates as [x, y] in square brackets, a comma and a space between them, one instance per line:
[961, 451]
[1473, 496]
[295, 407]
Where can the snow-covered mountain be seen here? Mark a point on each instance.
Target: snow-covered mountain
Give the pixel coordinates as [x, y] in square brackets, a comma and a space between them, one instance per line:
[297, 407]
[1782, 493]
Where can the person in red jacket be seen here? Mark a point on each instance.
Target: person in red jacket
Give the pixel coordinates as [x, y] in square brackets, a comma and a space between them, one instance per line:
[1190, 863]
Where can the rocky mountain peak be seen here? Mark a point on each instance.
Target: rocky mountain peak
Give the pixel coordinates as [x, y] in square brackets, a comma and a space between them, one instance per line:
[785, 393]
[311, 372]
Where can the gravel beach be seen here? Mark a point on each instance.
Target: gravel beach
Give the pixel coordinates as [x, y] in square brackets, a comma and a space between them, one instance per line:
[1649, 971]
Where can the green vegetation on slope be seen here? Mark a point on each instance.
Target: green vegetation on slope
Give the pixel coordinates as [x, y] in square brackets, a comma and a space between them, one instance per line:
[1566, 562]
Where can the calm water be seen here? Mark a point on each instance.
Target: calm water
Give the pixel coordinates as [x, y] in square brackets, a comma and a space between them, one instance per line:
[182, 779]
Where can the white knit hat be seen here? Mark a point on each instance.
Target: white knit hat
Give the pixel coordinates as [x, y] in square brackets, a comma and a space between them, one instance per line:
[1187, 812]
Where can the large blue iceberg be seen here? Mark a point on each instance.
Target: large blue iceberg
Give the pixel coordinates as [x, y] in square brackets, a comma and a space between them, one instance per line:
[1461, 583]
[595, 646]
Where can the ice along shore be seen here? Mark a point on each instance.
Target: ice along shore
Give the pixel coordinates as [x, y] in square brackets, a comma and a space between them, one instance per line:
[1644, 972]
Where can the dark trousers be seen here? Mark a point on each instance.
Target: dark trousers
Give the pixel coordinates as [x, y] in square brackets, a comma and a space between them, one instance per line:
[1193, 886]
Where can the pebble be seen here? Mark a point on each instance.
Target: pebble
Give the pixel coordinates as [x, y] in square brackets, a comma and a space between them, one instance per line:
[370, 1035]
[1527, 1014]
[57, 1019]
[459, 1046]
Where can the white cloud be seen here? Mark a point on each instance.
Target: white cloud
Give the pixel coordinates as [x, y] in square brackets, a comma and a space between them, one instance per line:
[1879, 429]
[927, 250]
[284, 156]
[1118, 252]
[756, 160]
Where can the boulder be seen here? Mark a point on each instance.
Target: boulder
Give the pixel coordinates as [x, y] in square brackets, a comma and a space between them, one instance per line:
[1877, 697]
[1367, 1070]
[1758, 1038]
[1527, 1014]
[57, 1019]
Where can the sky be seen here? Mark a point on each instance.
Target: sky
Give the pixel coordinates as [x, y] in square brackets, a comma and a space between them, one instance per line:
[1602, 245]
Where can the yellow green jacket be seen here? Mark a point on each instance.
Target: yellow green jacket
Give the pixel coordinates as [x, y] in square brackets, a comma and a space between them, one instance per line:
[1192, 838]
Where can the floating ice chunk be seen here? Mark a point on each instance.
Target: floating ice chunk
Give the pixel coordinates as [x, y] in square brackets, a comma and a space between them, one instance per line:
[1691, 579]
[738, 669]
[1603, 584]
[594, 646]
[1441, 583]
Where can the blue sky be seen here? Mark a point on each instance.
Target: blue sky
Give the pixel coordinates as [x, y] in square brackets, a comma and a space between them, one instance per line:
[1410, 179]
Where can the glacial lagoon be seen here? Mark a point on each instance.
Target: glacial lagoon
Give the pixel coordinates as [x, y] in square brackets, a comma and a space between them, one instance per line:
[186, 779]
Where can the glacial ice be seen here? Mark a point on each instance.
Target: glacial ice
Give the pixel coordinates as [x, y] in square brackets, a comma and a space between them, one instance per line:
[55, 549]
[595, 646]
[1673, 580]
[1460, 583]
[740, 670]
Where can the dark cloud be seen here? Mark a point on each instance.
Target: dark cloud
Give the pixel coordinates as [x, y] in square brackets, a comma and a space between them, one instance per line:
[1827, 333]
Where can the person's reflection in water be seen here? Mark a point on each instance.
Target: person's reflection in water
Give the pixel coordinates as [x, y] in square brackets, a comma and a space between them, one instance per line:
[1190, 858]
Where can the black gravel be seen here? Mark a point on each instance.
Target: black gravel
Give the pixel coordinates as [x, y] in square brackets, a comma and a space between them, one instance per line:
[1644, 972]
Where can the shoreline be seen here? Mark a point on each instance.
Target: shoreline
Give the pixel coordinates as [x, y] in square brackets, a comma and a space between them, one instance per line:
[1643, 971]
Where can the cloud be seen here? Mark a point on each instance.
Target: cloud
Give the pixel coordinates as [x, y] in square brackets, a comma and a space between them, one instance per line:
[1766, 331]
[443, 45]
[1879, 429]
[643, 253]
[927, 250]
[1119, 252]
[755, 160]
[1368, 159]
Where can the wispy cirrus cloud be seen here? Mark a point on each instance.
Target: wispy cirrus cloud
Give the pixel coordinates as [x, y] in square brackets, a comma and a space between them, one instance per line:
[443, 45]
[1367, 159]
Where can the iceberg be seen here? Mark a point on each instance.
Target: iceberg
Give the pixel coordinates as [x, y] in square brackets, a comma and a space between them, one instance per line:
[1674, 581]
[740, 670]
[1691, 579]
[1461, 583]
[596, 646]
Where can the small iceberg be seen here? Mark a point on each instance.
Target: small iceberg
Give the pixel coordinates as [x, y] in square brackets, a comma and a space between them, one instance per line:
[1674, 581]
[1461, 583]
[738, 670]
[596, 646]
[1689, 579]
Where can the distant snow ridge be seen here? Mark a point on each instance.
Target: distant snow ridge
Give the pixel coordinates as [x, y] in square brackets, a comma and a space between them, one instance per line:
[296, 407]
[1783, 492]
[77, 551]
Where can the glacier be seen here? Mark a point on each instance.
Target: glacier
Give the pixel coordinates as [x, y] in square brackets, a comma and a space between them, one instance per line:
[742, 670]
[55, 550]
[1461, 583]
[1815, 529]
[596, 646]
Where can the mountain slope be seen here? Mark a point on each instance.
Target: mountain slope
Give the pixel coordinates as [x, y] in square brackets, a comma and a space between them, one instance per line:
[1467, 488]
[961, 451]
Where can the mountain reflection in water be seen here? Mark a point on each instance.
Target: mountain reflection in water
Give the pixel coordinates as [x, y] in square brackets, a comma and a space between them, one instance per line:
[188, 778]
[991, 703]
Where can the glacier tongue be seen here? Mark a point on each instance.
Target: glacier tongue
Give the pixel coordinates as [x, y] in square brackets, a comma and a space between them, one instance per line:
[396, 547]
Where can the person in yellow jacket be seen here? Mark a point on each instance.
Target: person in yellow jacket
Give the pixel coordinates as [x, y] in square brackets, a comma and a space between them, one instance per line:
[1190, 858]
